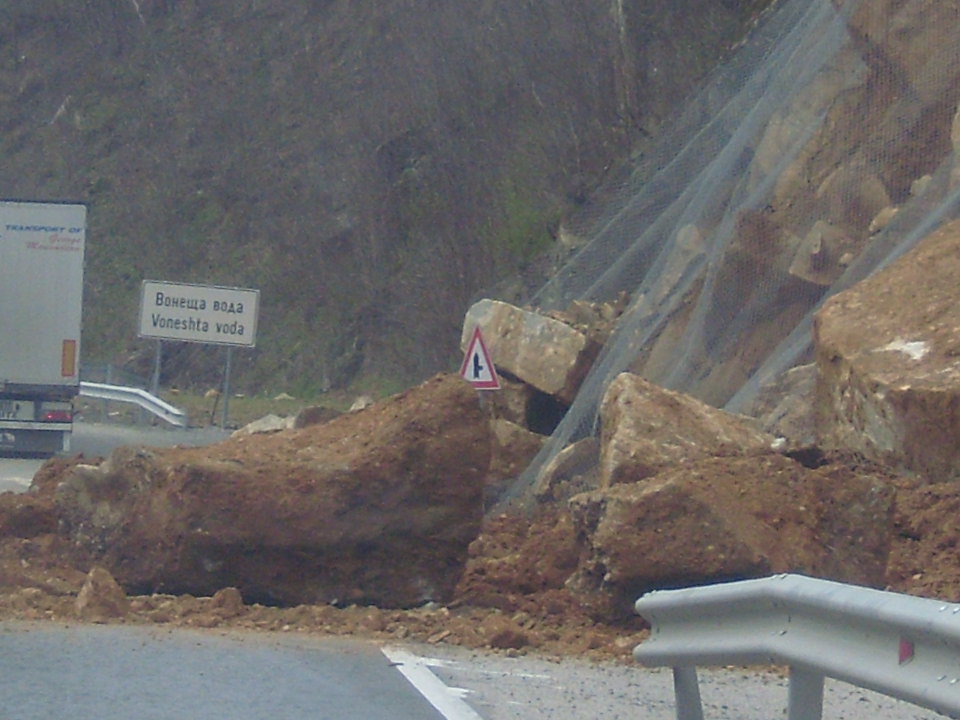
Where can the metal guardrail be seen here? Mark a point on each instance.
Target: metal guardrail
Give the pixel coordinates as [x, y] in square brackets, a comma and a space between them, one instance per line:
[902, 646]
[137, 396]
[111, 374]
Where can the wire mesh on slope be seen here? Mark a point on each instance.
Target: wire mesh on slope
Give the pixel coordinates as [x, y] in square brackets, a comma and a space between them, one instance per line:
[713, 232]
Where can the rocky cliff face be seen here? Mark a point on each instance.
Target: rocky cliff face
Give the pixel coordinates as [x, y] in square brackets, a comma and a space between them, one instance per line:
[367, 166]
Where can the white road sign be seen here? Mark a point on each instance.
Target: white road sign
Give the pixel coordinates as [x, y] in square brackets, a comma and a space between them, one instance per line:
[199, 313]
[477, 368]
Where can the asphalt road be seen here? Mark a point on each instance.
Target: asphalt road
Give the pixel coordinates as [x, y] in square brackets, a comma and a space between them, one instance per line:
[119, 673]
[150, 673]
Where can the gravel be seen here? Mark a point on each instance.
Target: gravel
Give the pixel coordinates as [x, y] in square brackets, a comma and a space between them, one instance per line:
[504, 688]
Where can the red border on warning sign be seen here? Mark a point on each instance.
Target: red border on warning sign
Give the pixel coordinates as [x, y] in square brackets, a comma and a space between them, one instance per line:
[476, 345]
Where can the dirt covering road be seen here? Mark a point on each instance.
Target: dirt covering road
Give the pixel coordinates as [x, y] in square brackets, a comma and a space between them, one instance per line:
[511, 596]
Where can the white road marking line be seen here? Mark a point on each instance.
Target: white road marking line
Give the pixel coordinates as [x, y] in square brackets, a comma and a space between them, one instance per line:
[418, 673]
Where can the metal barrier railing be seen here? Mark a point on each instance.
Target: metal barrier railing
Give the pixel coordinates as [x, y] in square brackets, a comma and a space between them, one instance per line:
[902, 646]
[136, 396]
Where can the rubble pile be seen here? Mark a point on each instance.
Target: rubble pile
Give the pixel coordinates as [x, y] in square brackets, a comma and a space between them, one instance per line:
[377, 521]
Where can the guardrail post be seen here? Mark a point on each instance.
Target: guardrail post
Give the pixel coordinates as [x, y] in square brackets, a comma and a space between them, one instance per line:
[805, 695]
[106, 403]
[686, 689]
[903, 646]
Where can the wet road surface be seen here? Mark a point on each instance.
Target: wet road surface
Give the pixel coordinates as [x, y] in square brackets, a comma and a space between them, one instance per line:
[48, 671]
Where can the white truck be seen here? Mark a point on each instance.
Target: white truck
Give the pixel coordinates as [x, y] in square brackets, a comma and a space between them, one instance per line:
[41, 294]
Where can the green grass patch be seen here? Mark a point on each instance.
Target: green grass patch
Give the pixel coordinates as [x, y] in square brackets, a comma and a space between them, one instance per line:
[525, 230]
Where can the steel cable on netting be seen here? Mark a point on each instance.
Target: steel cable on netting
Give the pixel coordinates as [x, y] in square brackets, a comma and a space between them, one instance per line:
[664, 243]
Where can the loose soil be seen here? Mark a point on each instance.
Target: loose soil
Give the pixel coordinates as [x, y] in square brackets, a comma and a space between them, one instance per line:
[512, 597]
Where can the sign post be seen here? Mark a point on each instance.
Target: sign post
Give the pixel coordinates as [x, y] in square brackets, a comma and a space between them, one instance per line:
[208, 314]
[226, 386]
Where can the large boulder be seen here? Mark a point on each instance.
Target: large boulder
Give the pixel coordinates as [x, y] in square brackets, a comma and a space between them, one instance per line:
[646, 428]
[377, 506]
[726, 518]
[887, 354]
[546, 353]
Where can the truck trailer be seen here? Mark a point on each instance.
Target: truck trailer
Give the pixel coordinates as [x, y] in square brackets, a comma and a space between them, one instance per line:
[41, 296]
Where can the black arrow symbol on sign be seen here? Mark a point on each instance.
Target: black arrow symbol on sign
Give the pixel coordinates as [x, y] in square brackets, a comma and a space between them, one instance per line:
[477, 367]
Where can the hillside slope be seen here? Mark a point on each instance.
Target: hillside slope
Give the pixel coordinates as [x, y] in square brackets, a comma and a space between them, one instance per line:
[368, 167]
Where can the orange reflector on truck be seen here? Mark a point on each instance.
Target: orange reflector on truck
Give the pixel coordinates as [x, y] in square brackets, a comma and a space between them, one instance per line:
[68, 358]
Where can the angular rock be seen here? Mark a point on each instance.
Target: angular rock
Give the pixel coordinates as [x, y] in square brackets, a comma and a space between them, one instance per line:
[314, 415]
[361, 402]
[923, 561]
[887, 354]
[101, 598]
[594, 318]
[541, 351]
[852, 196]
[646, 428]
[784, 406]
[266, 424]
[819, 255]
[571, 471]
[502, 633]
[790, 124]
[512, 449]
[374, 507]
[227, 602]
[882, 219]
[726, 518]
[924, 44]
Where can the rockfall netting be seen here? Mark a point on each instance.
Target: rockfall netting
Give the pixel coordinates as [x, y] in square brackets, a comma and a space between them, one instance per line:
[822, 150]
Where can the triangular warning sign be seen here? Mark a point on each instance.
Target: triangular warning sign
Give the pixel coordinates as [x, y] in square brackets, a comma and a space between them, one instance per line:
[477, 368]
